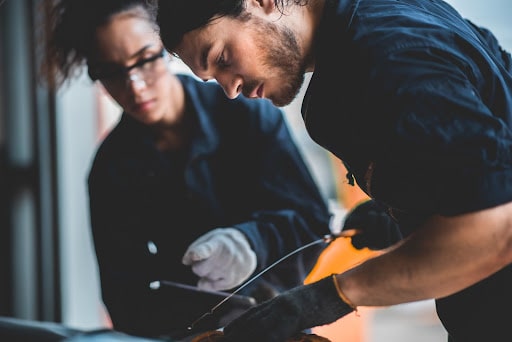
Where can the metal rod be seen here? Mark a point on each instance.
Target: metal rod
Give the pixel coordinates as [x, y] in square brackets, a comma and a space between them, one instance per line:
[326, 239]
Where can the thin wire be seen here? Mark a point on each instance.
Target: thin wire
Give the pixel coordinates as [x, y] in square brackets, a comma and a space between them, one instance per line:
[254, 278]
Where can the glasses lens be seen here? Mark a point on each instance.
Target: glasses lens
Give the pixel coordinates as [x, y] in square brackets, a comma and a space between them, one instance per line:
[145, 70]
[149, 69]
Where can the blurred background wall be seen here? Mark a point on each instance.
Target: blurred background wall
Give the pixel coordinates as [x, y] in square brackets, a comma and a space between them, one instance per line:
[47, 140]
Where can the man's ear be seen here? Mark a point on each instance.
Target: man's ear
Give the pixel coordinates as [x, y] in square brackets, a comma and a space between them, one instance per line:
[266, 6]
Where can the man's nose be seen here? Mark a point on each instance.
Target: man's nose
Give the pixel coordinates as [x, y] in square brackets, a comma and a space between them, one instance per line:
[232, 85]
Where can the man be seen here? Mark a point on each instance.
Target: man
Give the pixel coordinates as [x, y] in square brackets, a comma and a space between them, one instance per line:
[417, 103]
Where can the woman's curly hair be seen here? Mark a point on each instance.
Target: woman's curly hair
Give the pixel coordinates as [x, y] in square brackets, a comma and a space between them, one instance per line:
[69, 33]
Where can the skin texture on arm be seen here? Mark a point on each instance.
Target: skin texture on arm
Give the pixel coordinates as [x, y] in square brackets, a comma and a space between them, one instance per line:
[446, 255]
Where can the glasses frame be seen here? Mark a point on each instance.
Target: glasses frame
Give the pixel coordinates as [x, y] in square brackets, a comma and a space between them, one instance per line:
[123, 72]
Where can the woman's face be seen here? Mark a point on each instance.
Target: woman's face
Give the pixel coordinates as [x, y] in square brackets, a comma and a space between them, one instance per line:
[133, 67]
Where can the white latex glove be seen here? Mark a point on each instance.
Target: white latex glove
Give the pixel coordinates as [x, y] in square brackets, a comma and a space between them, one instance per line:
[222, 258]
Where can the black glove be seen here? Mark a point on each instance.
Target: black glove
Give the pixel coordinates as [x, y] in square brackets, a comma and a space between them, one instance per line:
[289, 313]
[377, 228]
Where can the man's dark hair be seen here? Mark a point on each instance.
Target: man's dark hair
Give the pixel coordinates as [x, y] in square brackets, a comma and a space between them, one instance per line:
[177, 17]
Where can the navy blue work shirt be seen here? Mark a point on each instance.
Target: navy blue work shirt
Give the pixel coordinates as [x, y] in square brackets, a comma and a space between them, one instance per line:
[417, 103]
[242, 170]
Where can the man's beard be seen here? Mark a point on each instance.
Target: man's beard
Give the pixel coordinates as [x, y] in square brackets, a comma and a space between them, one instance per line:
[282, 57]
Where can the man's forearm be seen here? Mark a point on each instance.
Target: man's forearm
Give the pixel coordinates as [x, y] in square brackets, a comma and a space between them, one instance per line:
[444, 256]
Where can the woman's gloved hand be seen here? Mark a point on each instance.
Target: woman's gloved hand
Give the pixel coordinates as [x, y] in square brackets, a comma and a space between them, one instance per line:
[222, 258]
[291, 312]
[377, 228]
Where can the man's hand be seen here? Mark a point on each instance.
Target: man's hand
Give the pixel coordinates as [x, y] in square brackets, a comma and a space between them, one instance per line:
[289, 313]
[222, 258]
[377, 228]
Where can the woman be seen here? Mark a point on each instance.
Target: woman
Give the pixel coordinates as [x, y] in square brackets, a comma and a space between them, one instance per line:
[185, 172]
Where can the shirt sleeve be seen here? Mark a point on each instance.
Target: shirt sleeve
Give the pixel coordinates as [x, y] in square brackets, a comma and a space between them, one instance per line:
[448, 150]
